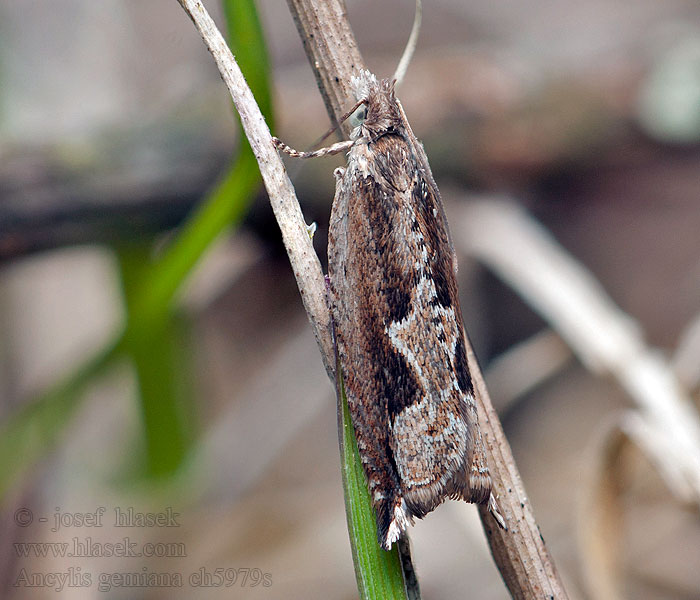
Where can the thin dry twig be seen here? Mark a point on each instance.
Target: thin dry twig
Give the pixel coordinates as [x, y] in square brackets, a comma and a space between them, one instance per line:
[520, 552]
[332, 51]
[525, 366]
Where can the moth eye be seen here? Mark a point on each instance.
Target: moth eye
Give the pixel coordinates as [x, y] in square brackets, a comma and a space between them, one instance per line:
[358, 117]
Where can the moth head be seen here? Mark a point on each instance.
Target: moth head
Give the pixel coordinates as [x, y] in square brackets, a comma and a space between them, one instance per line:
[383, 113]
[379, 112]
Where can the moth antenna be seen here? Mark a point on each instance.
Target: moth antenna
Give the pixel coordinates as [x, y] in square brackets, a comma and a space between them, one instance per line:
[336, 148]
[342, 120]
[410, 44]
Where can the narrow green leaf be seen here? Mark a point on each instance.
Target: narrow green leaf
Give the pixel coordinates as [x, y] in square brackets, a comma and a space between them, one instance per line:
[36, 427]
[28, 434]
[246, 40]
[152, 337]
[222, 209]
[158, 352]
[378, 572]
[229, 202]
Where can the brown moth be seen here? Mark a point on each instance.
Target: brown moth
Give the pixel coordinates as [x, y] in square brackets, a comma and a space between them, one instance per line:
[398, 324]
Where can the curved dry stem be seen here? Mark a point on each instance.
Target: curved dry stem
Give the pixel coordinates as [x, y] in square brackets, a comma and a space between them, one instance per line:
[685, 360]
[410, 45]
[607, 340]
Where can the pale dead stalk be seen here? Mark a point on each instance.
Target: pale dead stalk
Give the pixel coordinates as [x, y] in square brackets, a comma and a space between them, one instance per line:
[665, 424]
[303, 258]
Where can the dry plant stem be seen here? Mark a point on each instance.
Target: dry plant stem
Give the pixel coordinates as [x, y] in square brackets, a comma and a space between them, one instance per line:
[600, 522]
[685, 360]
[520, 552]
[303, 258]
[525, 366]
[332, 51]
[305, 263]
[664, 425]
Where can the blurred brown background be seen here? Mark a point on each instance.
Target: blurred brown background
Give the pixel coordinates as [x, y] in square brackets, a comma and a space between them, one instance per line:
[114, 123]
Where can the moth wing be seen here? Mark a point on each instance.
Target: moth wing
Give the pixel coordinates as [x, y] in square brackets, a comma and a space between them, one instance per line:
[356, 307]
[434, 438]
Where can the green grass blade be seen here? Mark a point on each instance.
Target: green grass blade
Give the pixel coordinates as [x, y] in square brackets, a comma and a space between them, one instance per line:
[229, 202]
[32, 431]
[246, 40]
[158, 352]
[152, 337]
[222, 209]
[378, 572]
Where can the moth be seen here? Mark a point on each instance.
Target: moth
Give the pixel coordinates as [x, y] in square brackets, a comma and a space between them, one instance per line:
[398, 324]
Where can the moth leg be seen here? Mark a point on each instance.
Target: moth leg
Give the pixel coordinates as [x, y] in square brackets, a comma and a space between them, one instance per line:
[496, 513]
[329, 150]
[480, 480]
